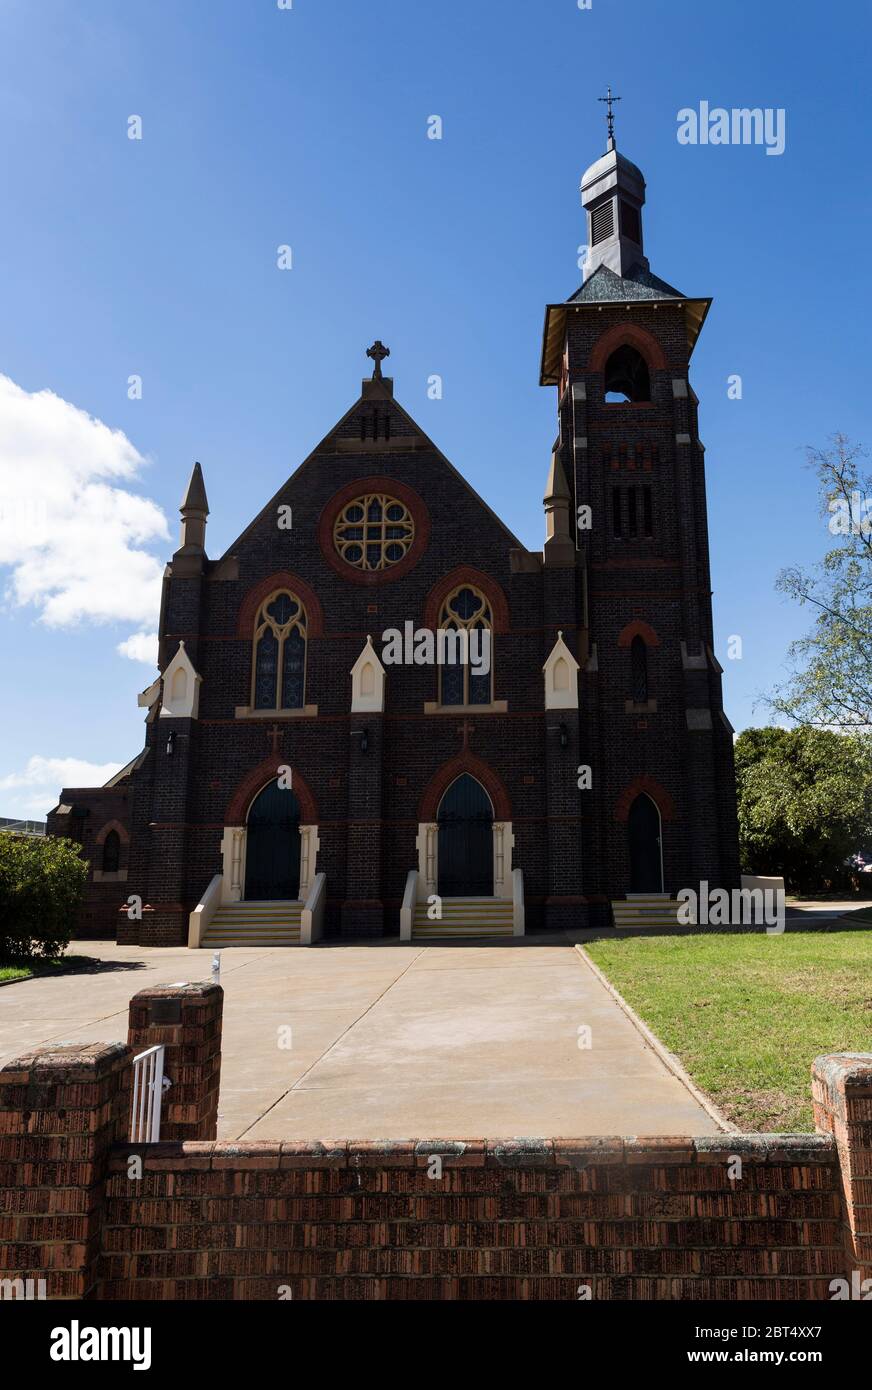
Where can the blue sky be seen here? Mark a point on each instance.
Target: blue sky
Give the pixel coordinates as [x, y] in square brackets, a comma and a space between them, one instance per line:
[307, 127]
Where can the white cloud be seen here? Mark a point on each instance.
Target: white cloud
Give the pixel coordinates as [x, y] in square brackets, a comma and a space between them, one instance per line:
[31, 794]
[141, 646]
[70, 531]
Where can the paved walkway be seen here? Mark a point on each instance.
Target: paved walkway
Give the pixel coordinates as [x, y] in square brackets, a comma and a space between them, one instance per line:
[812, 911]
[388, 1040]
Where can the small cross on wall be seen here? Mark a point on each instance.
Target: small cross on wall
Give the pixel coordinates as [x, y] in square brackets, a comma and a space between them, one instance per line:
[274, 734]
[466, 729]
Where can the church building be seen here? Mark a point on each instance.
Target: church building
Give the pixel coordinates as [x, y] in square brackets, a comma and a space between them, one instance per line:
[312, 769]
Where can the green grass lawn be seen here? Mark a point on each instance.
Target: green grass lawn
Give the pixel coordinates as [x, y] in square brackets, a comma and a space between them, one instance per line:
[25, 970]
[747, 1014]
[14, 972]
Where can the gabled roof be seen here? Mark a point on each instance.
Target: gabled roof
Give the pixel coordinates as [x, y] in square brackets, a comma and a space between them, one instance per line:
[380, 389]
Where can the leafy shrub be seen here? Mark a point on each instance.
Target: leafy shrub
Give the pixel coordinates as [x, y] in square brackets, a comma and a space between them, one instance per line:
[42, 879]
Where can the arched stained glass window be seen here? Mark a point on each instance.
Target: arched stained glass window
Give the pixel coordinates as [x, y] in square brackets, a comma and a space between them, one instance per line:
[279, 662]
[466, 625]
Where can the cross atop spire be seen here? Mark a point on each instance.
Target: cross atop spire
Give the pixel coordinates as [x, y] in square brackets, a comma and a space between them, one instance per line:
[610, 101]
[378, 352]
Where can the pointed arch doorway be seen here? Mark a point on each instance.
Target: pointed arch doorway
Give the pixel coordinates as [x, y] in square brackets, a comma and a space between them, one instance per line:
[465, 854]
[272, 852]
[645, 845]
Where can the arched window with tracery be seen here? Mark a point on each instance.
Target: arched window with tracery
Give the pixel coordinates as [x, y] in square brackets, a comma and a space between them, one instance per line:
[111, 853]
[468, 680]
[279, 660]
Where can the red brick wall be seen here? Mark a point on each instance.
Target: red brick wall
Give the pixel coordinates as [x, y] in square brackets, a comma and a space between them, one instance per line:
[191, 1037]
[60, 1111]
[752, 1217]
[842, 1095]
[626, 1219]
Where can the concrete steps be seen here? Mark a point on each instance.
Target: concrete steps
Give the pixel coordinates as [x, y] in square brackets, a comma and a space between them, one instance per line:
[255, 924]
[645, 910]
[464, 917]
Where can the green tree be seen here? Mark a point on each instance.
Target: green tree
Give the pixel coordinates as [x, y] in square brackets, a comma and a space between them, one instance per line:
[805, 804]
[41, 883]
[831, 681]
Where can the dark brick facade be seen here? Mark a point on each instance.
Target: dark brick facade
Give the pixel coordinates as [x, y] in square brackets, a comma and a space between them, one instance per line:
[572, 845]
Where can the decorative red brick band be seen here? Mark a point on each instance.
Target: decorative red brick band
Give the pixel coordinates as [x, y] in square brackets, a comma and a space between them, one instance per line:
[110, 825]
[638, 629]
[661, 798]
[282, 579]
[626, 333]
[450, 771]
[251, 784]
[477, 579]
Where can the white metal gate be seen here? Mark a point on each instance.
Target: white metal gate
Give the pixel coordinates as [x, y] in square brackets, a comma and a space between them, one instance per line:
[148, 1089]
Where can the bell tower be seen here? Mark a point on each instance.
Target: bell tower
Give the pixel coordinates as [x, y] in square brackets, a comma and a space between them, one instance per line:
[660, 814]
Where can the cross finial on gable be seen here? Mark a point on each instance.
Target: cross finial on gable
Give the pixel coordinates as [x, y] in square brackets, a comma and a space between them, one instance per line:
[378, 352]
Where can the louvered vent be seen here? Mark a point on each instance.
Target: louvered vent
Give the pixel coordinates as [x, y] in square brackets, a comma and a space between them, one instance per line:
[602, 222]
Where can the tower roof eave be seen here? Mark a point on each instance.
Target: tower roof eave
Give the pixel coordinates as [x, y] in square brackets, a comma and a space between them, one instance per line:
[554, 333]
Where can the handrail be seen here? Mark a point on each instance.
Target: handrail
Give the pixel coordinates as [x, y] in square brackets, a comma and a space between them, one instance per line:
[199, 919]
[312, 914]
[517, 902]
[407, 911]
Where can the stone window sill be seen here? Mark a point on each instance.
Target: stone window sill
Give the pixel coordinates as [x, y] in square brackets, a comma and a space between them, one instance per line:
[495, 707]
[120, 876]
[246, 712]
[650, 707]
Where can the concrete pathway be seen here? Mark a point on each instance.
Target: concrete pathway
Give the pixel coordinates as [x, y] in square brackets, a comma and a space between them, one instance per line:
[799, 911]
[388, 1040]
